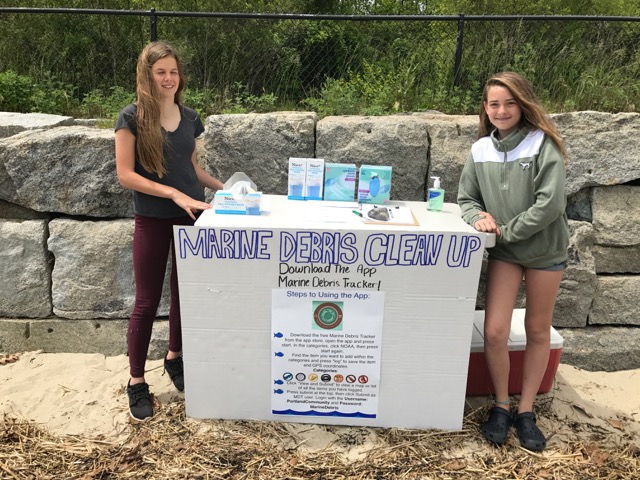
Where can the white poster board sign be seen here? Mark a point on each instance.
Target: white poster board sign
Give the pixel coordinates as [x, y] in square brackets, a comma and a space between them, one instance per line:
[407, 299]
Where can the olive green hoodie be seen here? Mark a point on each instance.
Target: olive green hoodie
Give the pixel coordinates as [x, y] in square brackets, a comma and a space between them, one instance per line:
[520, 181]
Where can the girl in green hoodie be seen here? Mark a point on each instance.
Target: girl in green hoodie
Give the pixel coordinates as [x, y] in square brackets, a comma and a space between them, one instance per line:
[513, 185]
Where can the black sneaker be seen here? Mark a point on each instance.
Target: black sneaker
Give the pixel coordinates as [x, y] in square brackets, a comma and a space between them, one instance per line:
[175, 369]
[140, 403]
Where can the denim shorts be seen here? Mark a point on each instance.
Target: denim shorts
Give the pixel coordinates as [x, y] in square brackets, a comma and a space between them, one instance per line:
[553, 268]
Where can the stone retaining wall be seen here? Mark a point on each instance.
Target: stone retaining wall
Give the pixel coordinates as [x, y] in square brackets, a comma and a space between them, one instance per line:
[66, 223]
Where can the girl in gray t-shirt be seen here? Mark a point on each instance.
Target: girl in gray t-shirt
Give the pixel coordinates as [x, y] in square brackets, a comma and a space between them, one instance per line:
[156, 158]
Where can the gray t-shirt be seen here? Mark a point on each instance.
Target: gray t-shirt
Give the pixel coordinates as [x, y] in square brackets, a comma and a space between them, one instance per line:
[177, 151]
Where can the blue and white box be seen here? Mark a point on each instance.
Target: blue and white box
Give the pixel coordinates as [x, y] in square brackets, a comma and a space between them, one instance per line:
[340, 181]
[239, 197]
[297, 178]
[314, 179]
[374, 185]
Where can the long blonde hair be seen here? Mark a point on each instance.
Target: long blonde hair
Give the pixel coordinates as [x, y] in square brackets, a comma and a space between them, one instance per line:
[533, 114]
[149, 140]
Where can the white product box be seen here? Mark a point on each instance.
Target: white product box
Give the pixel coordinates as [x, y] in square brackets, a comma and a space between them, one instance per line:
[238, 196]
[314, 179]
[225, 202]
[297, 178]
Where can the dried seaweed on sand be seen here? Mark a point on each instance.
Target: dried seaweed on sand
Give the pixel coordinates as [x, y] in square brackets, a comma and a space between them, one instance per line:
[173, 446]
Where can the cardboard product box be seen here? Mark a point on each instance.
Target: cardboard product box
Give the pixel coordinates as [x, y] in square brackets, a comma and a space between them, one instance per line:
[238, 197]
[374, 185]
[314, 180]
[225, 202]
[297, 178]
[340, 181]
[478, 378]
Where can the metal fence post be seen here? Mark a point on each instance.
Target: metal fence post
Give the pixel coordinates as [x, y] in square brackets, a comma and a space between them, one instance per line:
[154, 22]
[458, 58]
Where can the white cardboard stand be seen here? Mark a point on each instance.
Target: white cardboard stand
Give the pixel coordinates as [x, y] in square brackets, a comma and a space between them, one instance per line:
[229, 267]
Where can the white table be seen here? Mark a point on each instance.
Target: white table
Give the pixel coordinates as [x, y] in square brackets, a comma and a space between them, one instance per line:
[235, 270]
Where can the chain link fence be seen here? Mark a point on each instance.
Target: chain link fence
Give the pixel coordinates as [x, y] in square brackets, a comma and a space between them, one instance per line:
[332, 64]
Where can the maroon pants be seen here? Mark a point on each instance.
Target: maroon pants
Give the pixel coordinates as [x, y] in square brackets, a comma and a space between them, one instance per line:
[152, 239]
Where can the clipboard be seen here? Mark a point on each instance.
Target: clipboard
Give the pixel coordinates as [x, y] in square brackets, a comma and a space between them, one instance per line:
[398, 215]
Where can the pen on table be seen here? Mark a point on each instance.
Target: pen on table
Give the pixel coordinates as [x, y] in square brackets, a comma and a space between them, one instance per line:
[357, 213]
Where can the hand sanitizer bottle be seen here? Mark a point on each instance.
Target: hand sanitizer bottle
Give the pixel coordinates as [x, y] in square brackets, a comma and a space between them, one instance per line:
[436, 196]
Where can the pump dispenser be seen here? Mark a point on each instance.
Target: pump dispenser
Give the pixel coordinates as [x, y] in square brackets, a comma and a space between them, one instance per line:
[436, 196]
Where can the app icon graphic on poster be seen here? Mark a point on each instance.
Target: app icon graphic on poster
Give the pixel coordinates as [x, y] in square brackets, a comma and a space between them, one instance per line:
[327, 315]
[301, 377]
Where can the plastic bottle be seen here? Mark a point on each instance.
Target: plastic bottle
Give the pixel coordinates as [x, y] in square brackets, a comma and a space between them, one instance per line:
[436, 196]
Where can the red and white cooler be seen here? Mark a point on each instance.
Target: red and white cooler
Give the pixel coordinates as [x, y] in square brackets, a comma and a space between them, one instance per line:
[478, 378]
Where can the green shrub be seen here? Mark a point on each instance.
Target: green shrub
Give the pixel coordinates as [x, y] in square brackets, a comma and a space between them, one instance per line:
[451, 100]
[197, 100]
[15, 92]
[379, 91]
[338, 97]
[19, 93]
[96, 104]
[52, 96]
[243, 101]
[374, 91]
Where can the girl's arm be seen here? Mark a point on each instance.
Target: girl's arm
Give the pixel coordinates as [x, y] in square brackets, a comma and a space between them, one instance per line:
[204, 178]
[550, 199]
[470, 201]
[128, 178]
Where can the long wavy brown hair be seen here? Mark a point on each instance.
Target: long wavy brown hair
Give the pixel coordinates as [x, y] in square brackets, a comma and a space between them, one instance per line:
[533, 116]
[150, 139]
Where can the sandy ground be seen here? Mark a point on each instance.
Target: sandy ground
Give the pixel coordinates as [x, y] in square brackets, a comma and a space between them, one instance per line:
[84, 395]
